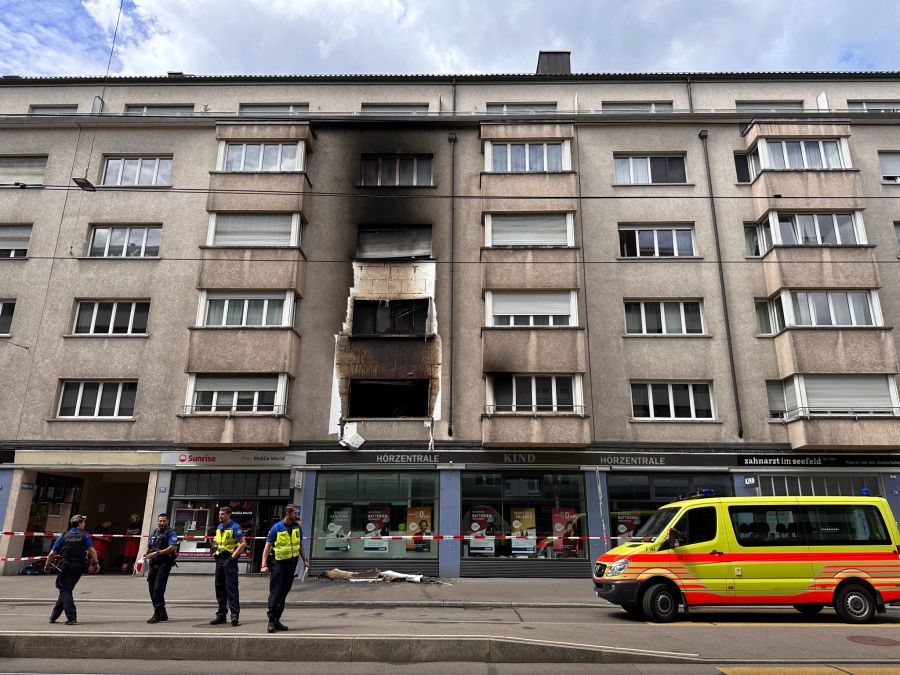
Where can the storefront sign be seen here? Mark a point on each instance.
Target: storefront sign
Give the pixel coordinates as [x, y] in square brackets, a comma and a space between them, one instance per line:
[811, 461]
[203, 458]
[406, 458]
[418, 521]
[378, 522]
[524, 525]
[338, 529]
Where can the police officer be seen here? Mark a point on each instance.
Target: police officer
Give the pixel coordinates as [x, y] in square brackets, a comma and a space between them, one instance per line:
[70, 548]
[161, 550]
[228, 546]
[286, 540]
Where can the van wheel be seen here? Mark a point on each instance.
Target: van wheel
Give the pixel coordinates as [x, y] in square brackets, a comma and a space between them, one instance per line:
[660, 603]
[634, 610]
[809, 608]
[854, 604]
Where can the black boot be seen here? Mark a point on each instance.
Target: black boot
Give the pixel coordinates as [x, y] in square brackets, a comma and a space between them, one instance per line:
[154, 618]
[72, 622]
[234, 620]
[162, 615]
[280, 626]
[55, 614]
[271, 627]
[220, 618]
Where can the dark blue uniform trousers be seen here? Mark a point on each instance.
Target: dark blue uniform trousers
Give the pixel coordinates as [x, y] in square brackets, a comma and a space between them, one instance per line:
[157, 579]
[280, 585]
[227, 585]
[65, 582]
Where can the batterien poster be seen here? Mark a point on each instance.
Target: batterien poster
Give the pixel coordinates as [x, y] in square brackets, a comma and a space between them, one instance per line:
[418, 521]
[378, 522]
[481, 521]
[524, 526]
[338, 529]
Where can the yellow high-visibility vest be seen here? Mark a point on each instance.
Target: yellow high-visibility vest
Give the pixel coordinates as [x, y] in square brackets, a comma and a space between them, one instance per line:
[287, 544]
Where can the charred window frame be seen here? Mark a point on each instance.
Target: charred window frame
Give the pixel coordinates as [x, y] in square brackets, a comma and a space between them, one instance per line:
[389, 398]
[379, 242]
[397, 171]
[390, 317]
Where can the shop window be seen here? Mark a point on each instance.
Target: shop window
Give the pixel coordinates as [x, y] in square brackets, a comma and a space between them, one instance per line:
[390, 317]
[371, 504]
[532, 505]
[389, 398]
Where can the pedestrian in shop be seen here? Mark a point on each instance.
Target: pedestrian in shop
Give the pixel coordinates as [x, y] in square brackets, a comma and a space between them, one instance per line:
[162, 547]
[132, 543]
[285, 540]
[229, 544]
[70, 548]
[101, 541]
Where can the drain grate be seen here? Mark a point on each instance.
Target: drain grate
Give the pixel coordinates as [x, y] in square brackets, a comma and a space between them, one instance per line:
[873, 640]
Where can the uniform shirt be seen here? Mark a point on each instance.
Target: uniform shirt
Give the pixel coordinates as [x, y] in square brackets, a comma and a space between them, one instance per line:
[236, 532]
[171, 539]
[281, 527]
[88, 542]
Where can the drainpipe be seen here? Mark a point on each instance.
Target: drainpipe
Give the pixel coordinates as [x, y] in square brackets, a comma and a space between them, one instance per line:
[690, 94]
[704, 134]
[451, 138]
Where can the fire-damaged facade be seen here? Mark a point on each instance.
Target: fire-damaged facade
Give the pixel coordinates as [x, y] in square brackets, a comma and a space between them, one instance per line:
[537, 306]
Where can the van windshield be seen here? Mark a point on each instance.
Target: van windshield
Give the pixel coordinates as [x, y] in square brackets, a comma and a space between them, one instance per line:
[656, 526]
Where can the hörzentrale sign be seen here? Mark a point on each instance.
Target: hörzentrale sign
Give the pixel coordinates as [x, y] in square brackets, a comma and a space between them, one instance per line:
[406, 458]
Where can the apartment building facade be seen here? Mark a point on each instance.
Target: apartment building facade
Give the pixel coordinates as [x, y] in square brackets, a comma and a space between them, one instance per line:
[530, 304]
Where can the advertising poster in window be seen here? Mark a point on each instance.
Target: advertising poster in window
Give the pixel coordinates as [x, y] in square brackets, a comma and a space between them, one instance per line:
[565, 524]
[194, 523]
[418, 521]
[627, 522]
[481, 521]
[338, 529]
[523, 525]
[378, 522]
[242, 512]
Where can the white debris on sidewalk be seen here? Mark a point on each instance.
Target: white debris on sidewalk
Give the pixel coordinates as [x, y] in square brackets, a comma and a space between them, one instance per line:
[377, 576]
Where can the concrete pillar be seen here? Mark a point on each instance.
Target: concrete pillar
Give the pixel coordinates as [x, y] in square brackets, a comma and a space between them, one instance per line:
[17, 509]
[6, 481]
[449, 516]
[305, 498]
[597, 506]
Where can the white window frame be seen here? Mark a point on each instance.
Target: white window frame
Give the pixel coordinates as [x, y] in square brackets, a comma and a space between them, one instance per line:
[691, 385]
[223, 155]
[888, 177]
[633, 158]
[115, 309]
[573, 310]
[103, 384]
[785, 297]
[777, 321]
[11, 252]
[3, 303]
[287, 310]
[859, 228]
[766, 146]
[137, 175]
[396, 158]
[279, 406]
[803, 408]
[577, 395]
[662, 302]
[294, 242]
[565, 159]
[489, 232]
[656, 228]
[129, 228]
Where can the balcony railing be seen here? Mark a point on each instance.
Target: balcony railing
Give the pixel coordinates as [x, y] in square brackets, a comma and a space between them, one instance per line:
[810, 412]
[533, 410]
[237, 410]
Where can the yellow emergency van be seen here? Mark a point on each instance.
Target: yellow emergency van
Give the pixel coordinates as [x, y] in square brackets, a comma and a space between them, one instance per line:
[807, 552]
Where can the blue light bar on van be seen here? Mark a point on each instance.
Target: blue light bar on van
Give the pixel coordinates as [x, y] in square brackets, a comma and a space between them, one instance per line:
[707, 492]
[865, 492]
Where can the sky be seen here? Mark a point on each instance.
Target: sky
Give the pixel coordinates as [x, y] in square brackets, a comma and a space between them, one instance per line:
[255, 37]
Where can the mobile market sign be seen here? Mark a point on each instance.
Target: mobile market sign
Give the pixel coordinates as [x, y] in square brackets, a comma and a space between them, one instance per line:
[232, 458]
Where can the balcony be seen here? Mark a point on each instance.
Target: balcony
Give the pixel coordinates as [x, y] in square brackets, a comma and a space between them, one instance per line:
[533, 350]
[537, 429]
[410, 429]
[258, 350]
[558, 191]
[227, 429]
[244, 191]
[845, 429]
[258, 269]
[800, 189]
[835, 350]
[533, 268]
[820, 267]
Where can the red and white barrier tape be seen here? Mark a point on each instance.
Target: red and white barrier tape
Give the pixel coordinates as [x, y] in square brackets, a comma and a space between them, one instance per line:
[30, 557]
[355, 537]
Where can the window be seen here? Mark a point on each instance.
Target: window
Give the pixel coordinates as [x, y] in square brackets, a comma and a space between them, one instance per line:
[147, 171]
[238, 393]
[758, 238]
[390, 317]
[530, 308]
[534, 393]
[7, 307]
[248, 157]
[637, 106]
[529, 229]
[14, 240]
[637, 170]
[97, 399]
[654, 241]
[54, 109]
[246, 309]
[769, 316]
[254, 229]
[159, 110]
[274, 109]
[829, 395]
[831, 484]
[664, 317]
[873, 106]
[536, 157]
[678, 400]
[395, 108]
[896, 236]
[747, 165]
[890, 167]
[376, 243]
[697, 526]
[520, 108]
[128, 241]
[111, 318]
[389, 398]
[811, 155]
[396, 170]
[832, 308]
[846, 525]
[22, 170]
[819, 229]
[774, 525]
[767, 106]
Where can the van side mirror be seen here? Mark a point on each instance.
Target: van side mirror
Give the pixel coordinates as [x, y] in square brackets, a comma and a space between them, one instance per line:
[673, 540]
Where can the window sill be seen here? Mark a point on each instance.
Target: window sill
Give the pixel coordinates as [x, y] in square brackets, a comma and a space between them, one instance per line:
[541, 328]
[386, 419]
[765, 171]
[25, 257]
[895, 183]
[255, 173]
[534, 414]
[105, 420]
[233, 413]
[239, 247]
[824, 328]
[643, 420]
[396, 187]
[226, 328]
[645, 185]
[528, 173]
[690, 336]
[659, 258]
[540, 247]
[116, 257]
[139, 336]
[811, 247]
[133, 187]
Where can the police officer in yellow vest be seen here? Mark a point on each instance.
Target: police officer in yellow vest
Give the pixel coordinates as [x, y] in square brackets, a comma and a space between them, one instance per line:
[286, 541]
[228, 546]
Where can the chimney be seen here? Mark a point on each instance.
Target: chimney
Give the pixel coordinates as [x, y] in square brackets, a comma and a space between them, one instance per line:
[554, 63]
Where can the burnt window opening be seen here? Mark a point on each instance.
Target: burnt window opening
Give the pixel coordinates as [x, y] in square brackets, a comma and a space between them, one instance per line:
[389, 398]
[375, 243]
[390, 317]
